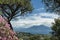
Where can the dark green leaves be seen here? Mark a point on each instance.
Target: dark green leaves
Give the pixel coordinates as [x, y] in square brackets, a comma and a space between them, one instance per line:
[52, 5]
[56, 29]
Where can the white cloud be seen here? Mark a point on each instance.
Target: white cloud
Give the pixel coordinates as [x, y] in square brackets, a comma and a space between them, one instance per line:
[52, 15]
[35, 19]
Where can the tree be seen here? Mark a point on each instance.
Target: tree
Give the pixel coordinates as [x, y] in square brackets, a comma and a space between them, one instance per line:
[52, 5]
[14, 8]
[56, 30]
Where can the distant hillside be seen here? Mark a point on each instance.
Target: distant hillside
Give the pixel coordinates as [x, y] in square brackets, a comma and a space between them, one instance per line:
[41, 29]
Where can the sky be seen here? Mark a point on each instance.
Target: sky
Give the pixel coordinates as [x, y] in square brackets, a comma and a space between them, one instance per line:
[39, 16]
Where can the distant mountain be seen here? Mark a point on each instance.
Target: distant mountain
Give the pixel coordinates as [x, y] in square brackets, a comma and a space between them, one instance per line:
[41, 29]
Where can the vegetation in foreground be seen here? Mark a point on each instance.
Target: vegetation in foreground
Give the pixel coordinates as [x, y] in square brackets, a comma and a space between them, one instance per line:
[28, 36]
[6, 33]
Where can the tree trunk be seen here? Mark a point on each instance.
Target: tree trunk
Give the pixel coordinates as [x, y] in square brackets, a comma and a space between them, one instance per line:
[10, 25]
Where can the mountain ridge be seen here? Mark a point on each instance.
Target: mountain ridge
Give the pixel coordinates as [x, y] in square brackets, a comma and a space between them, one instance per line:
[41, 29]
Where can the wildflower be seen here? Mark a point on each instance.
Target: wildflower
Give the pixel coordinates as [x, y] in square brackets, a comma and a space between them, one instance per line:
[5, 32]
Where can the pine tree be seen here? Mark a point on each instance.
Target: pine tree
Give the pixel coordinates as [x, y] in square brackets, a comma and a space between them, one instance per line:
[13, 8]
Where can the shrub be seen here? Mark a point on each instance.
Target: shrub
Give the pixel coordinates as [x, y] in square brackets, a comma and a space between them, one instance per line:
[5, 32]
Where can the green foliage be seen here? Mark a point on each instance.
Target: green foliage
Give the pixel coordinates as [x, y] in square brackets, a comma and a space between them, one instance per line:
[12, 1]
[52, 5]
[13, 8]
[28, 36]
[56, 29]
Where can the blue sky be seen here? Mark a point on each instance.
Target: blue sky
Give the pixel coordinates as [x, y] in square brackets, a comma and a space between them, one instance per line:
[37, 17]
[38, 4]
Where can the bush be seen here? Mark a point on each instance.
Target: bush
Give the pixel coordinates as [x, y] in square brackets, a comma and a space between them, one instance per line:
[5, 32]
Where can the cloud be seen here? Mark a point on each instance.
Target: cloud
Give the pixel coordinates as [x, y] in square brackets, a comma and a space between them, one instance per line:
[35, 19]
[49, 15]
